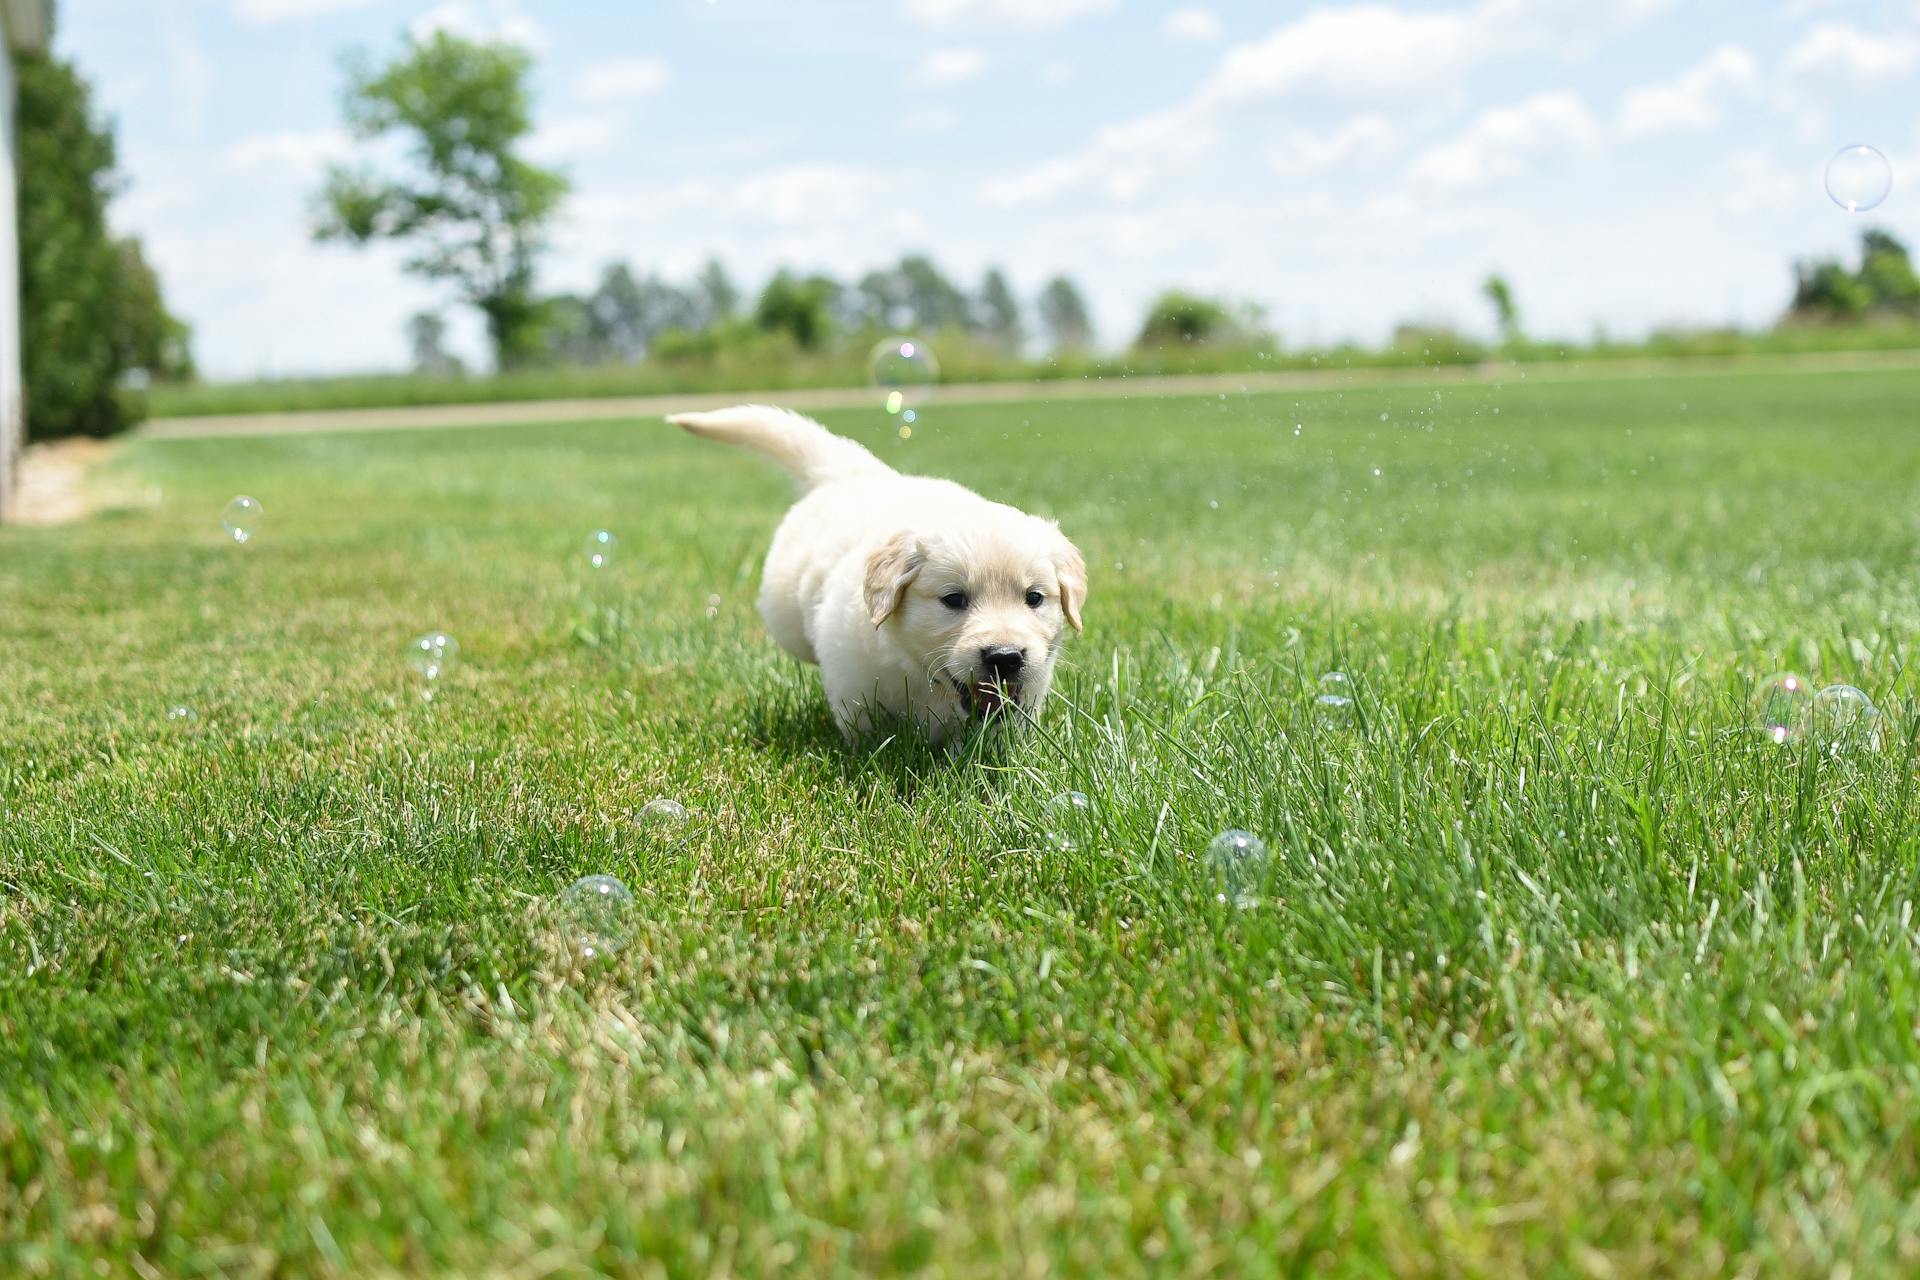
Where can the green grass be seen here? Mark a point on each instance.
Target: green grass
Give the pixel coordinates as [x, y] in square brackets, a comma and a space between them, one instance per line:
[1561, 968]
[963, 360]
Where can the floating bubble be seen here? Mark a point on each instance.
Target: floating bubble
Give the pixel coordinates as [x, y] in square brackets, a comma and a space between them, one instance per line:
[596, 916]
[1858, 178]
[1843, 718]
[1780, 707]
[180, 713]
[904, 368]
[663, 816]
[242, 518]
[1067, 817]
[1238, 862]
[1334, 703]
[433, 654]
[600, 548]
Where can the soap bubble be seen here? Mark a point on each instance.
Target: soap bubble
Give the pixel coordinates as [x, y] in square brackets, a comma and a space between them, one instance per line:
[1334, 705]
[596, 915]
[1238, 862]
[242, 518]
[1843, 718]
[905, 369]
[433, 654]
[1858, 178]
[663, 816]
[1780, 707]
[600, 548]
[181, 713]
[1068, 815]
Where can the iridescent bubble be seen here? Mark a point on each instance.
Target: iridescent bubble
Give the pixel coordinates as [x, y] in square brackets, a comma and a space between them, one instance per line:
[242, 518]
[600, 548]
[1780, 707]
[1334, 704]
[1238, 861]
[181, 713]
[1843, 718]
[1858, 178]
[433, 654]
[596, 916]
[905, 369]
[1068, 816]
[662, 816]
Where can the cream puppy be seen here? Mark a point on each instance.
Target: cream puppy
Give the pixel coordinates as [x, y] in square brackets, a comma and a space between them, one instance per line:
[915, 596]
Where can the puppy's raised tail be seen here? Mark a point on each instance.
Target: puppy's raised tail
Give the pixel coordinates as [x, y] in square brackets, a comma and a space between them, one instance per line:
[800, 446]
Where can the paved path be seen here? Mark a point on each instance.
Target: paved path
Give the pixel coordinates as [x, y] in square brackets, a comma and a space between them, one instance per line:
[525, 412]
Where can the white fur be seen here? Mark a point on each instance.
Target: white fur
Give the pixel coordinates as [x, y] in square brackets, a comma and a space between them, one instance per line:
[857, 571]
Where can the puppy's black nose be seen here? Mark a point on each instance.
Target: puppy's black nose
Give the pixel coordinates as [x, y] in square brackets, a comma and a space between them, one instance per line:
[1002, 663]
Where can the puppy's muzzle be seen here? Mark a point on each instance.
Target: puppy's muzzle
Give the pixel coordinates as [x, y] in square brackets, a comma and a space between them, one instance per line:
[996, 681]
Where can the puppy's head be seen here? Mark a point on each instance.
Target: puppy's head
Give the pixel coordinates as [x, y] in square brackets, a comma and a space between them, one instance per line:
[982, 610]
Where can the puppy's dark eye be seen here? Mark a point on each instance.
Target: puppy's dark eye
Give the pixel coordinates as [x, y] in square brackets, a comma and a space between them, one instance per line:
[1035, 599]
[954, 600]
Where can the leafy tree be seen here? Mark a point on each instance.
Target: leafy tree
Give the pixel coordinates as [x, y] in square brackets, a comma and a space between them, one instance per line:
[719, 299]
[1497, 291]
[1827, 289]
[913, 294]
[1063, 314]
[151, 339]
[797, 307]
[1824, 289]
[92, 317]
[427, 335]
[1177, 318]
[997, 311]
[1887, 272]
[474, 209]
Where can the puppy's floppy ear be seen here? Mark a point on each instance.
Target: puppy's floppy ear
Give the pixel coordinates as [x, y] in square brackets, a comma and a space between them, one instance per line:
[1072, 569]
[890, 571]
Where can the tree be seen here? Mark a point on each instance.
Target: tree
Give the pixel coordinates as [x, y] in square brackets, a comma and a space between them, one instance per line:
[92, 316]
[427, 335]
[996, 312]
[1824, 289]
[474, 209]
[719, 300]
[1887, 272]
[1063, 314]
[1177, 318]
[1497, 291]
[151, 339]
[798, 308]
[913, 294]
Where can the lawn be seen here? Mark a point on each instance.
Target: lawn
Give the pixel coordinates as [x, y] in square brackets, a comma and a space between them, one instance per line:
[1560, 967]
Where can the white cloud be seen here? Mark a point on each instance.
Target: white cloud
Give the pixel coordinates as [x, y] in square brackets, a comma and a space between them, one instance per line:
[1124, 160]
[622, 79]
[296, 150]
[930, 120]
[1695, 100]
[1023, 15]
[1835, 59]
[482, 20]
[949, 66]
[569, 137]
[1501, 142]
[267, 12]
[1305, 151]
[1057, 73]
[1193, 24]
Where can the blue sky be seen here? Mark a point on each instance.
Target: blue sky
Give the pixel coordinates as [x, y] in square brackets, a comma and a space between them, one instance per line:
[1627, 163]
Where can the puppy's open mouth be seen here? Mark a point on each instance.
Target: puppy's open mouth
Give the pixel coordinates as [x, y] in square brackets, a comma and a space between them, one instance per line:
[984, 698]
